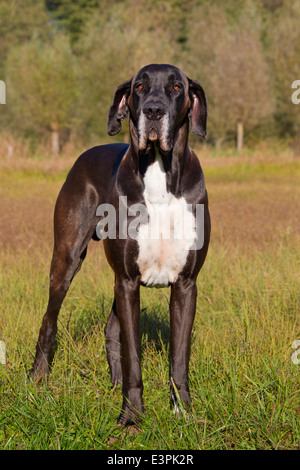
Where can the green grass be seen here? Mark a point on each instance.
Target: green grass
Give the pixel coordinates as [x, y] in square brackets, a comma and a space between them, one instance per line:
[244, 385]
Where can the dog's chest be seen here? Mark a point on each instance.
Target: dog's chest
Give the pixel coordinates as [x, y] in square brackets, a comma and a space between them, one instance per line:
[164, 242]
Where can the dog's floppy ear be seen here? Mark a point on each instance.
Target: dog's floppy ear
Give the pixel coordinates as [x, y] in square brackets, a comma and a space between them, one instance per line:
[119, 109]
[198, 111]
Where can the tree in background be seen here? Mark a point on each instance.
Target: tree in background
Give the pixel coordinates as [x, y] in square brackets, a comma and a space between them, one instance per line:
[71, 16]
[42, 87]
[19, 23]
[284, 53]
[62, 60]
[112, 51]
[234, 71]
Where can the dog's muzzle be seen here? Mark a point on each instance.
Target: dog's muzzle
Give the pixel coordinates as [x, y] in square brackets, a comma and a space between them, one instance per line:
[153, 126]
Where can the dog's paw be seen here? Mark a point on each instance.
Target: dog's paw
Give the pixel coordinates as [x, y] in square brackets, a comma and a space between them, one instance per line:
[38, 373]
[130, 416]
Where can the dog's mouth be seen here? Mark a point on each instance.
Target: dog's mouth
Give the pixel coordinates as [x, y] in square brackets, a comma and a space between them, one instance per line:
[153, 135]
[153, 131]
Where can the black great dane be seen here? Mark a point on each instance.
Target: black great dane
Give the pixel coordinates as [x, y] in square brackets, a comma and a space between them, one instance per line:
[159, 172]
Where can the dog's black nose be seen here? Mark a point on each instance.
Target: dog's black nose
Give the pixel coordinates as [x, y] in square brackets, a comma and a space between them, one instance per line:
[154, 112]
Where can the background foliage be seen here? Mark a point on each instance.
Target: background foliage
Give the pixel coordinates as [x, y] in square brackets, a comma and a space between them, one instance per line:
[62, 60]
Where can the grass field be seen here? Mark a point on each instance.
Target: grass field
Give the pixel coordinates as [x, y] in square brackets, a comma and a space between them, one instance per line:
[244, 384]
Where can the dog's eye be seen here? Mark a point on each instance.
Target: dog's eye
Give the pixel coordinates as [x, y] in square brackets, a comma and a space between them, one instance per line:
[140, 87]
[176, 87]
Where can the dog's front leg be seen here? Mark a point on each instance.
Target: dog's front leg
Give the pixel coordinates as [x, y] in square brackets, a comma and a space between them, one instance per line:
[182, 313]
[127, 295]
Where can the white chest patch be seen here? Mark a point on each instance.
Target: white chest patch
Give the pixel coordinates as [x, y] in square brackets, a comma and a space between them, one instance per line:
[164, 242]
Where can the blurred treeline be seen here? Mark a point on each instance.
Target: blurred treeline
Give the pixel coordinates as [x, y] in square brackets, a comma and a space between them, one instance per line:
[62, 60]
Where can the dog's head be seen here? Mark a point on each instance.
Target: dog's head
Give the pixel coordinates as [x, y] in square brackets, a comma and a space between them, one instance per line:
[159, 98]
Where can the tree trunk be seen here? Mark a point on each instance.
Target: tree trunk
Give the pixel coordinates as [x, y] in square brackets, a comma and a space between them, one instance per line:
[54, 139]
[219, 143]
[240, 135]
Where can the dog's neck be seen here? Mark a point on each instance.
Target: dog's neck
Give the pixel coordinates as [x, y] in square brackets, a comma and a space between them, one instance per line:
[174, 161]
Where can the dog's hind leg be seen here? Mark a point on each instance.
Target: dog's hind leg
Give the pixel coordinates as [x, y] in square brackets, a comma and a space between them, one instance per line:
[113, 346]
[61, 275]
[73, 229]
